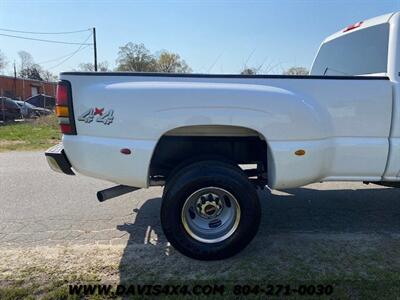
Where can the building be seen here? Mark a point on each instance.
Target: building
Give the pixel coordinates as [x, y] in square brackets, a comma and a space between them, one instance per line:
[21, 88]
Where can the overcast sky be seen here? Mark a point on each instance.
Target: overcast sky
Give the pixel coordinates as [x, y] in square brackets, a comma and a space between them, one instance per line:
[212, 36]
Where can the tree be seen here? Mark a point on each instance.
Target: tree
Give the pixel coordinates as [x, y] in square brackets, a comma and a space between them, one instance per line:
[89, 67]
[48, 76]
[26, 60]
[249, 71]
[296, 71]
[3, 62]
[168, 62]
[30, 70]
[136, 57]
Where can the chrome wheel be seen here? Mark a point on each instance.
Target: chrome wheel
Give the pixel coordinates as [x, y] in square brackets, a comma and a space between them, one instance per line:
[210, 215]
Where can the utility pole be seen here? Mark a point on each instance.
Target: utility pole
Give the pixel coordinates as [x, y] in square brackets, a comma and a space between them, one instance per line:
[15, 81]
[95, 49]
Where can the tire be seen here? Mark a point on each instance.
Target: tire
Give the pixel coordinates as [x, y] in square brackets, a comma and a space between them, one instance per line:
[210, 210]
[213, 158]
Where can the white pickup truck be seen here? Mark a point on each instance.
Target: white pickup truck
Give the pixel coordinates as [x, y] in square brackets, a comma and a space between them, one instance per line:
[198, 134]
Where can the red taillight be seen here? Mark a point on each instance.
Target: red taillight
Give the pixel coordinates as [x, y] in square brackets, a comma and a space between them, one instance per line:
[353, 26]
[64, 109]
[62, 94]
[66, 128]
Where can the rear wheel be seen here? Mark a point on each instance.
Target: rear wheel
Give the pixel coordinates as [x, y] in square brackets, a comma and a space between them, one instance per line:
[210, 210]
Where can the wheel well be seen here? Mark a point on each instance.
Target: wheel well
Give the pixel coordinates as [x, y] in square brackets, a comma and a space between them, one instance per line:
[237, 145]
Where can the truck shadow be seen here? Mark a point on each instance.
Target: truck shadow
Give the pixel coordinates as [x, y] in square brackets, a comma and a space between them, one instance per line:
[332, 211]
[300, 210]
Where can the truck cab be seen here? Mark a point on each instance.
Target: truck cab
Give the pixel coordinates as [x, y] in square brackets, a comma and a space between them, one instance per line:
[369, 48]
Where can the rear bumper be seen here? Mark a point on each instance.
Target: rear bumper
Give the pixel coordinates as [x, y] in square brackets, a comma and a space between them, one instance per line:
[57, 160]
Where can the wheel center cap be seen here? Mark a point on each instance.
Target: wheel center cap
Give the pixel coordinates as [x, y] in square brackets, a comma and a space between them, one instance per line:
[210, 210]
[209, 206]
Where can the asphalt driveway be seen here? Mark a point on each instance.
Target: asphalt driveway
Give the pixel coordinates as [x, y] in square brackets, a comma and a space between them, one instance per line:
[41, 207]
[52, 225]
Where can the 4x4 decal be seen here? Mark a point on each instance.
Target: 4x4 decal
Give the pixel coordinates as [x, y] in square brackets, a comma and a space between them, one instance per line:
[105, 117]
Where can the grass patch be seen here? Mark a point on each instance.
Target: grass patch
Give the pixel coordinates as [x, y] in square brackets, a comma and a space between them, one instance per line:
[37, 134]
[50, 290]
[15, 292]
[358, 266]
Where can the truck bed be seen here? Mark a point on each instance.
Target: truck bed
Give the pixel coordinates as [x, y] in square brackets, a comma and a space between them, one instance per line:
[330, 116]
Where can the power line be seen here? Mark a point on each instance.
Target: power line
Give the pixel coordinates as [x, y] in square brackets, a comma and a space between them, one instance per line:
[250, 55]
[41, 40]
[63, 61]
[36, 32]
[73, 53]
[216, 60]
[58, 58]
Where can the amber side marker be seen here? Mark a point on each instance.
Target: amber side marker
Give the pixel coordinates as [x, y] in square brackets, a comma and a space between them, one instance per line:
[300, 152]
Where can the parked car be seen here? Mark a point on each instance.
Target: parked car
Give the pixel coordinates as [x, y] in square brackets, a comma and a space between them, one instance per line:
[27, 110]
[192, 133]
[9, 110]
[39, 111]
[43, 101]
